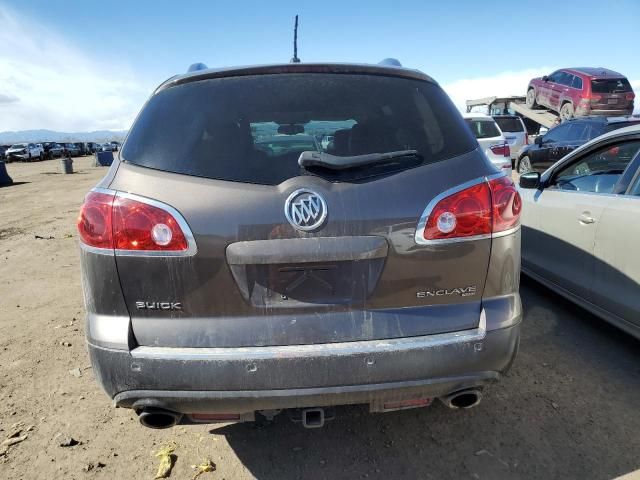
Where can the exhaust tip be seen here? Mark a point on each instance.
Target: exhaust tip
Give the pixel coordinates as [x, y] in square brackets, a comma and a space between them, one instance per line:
[463, 399]
[159, 418]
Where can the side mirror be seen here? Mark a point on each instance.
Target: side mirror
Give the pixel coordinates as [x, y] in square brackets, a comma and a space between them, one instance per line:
[545, 78]
[538, 140]
[530, 180]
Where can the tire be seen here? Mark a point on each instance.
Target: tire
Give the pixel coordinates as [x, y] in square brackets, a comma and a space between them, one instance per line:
[41, 158]
[566, 111]
[524, 165]
[29, 159]
[530, 101]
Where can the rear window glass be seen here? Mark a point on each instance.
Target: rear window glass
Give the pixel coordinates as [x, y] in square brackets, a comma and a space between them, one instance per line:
[253, 128]
[483, 128]
[577, 83]
[616, 125]
[510, 124]
[618, 85]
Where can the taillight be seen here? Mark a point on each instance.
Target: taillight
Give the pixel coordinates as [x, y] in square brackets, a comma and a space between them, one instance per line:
[140, 226]
[95, 220]
[506, 203]
[128, 223]
[630, 96]
[526, 138]
[595, 98]
[501, 149]
[489, 207]
[464, 214]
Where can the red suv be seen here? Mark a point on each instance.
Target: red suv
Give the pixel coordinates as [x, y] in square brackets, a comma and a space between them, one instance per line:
[582, 91]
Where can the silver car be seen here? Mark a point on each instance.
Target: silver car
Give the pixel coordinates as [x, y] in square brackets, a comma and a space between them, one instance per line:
[581, 228]
[231, 265]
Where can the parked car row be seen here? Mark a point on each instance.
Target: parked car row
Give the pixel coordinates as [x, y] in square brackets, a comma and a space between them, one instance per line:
[28, 152]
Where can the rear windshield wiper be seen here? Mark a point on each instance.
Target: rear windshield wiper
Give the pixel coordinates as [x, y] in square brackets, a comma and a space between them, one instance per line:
[334, 162]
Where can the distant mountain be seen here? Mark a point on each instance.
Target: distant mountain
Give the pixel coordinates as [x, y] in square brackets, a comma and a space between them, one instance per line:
[39, 136]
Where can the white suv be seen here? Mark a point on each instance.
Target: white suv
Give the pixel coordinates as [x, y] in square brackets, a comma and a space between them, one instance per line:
[515, 132]
[491, 140]
[25, 152]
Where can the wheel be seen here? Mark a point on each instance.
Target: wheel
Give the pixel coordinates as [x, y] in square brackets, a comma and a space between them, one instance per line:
[29, 159]
[524, 165]
[566, 111]
[531, 99]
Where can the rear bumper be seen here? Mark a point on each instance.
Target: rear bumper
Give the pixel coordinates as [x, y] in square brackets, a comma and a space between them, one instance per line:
[241, 380]
[607, 112]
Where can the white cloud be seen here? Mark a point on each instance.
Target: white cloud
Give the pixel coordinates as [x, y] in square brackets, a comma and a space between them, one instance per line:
[47, 83]
[502, 84]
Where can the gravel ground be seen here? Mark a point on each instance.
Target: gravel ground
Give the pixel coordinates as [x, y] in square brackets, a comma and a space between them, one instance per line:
[568, 409]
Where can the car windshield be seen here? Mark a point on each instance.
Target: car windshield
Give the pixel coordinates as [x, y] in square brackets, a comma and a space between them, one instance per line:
[483, 128]
[617, 85]
[19, 145]
[254, 128]
[509, 124]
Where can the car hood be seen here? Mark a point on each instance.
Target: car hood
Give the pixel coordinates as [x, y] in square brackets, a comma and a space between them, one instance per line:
[10, 150]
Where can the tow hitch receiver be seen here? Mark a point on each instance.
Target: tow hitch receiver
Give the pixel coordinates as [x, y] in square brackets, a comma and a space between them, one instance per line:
[312, 417]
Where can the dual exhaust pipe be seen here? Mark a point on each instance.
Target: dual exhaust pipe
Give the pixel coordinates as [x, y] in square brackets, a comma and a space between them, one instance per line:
[160, 418]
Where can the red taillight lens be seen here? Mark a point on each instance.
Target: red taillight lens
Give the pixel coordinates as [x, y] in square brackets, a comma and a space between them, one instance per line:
[502, 149]
[507, 204]
[630, 96]
[140, 226]
[485, 208]
[596, 98]
[95, 220]
[526, 138]
[463, 214]
[112, 221]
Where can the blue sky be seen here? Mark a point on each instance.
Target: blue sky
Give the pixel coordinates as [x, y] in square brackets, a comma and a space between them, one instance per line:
[88, 64]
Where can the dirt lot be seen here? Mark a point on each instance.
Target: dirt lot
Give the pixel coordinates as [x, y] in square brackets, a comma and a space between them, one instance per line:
[568, 409]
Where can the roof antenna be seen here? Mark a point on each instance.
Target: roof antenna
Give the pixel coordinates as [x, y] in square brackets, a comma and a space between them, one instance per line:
[295, 58]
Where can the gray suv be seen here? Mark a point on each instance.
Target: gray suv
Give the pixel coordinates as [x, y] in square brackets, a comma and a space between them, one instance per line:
[233, 263]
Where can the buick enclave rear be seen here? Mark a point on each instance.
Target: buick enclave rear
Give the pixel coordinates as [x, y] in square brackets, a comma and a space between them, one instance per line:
[296, 237]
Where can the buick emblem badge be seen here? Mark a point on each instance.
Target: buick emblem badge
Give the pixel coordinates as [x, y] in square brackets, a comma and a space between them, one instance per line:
[305, 209]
